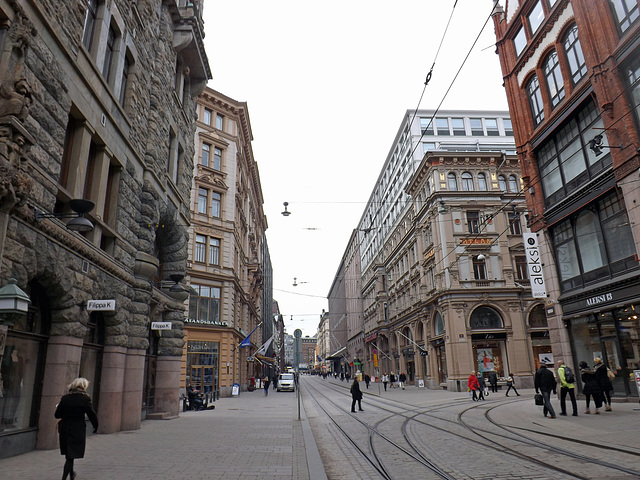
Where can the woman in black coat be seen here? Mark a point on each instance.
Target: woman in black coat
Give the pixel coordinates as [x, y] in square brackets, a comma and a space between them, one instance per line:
[356, 396]
[602, 376]
[72, 428]
[590, 388]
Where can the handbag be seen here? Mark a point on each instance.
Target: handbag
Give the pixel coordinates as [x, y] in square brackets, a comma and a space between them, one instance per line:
[610, 374]
[538, 399]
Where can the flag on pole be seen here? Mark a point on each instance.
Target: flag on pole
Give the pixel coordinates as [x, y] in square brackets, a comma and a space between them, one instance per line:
[265, 346]
[247, 342]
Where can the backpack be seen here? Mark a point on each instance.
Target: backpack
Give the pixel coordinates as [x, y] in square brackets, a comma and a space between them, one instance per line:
[569, 377]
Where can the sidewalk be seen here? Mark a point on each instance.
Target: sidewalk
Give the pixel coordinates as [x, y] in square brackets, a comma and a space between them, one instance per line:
[246, 437]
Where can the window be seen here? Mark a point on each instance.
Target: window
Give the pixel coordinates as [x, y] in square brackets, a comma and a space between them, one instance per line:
[172, 159]
[508, 127]
[214, 251]
[124, 80]
[457, 124]
[453, 184]
[199, 251]
[206, 116]
[204, 159]
[216, 199]
[553, 75]
[108, 54]
[535, 100]
[575, 57]
[513, 184]
[426, 126]
[520, 41]
[536, 17]
[203, 196]
[204, 304]
[467, 182]
[473, 222]
[442, 125]
[219, 121]
[502, 182]
[515, 227]
[482, 182]
[626, 13]
[565, 160]
[476, 127]
[633, 81]
[492, 127]
[89, 23]
[594, 244]
[522, 269]
[217, 158]
[428, 146]
[479, 268]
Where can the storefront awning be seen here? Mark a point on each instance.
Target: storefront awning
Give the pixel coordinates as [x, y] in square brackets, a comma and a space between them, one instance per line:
[336, 354]
[264, 359]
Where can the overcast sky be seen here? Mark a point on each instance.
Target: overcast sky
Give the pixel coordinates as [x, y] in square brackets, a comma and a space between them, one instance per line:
[327, 85]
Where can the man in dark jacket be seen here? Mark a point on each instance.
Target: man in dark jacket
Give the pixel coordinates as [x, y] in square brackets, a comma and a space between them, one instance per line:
[356, 396]
[545, 383]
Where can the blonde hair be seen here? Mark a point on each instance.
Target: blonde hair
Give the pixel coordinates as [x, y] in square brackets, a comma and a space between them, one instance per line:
[597, 360]
[79, 384]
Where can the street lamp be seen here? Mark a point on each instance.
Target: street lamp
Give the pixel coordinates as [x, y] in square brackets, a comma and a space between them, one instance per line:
[78, 222]
[286, 212]
[13, 303]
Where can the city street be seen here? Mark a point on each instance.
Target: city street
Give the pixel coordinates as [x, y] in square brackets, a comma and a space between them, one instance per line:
[401, 433]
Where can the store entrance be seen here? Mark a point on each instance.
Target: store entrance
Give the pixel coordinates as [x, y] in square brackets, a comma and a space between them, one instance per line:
[203, 379]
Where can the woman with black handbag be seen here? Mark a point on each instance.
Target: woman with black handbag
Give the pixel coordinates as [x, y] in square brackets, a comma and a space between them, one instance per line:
[591, 387]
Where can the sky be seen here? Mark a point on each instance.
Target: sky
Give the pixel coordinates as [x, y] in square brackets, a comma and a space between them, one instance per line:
[327, 85]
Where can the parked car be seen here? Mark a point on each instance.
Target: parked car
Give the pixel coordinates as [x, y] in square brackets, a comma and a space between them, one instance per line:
[287, 382]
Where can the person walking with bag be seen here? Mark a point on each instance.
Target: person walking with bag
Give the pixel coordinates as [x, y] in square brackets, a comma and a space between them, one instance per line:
[385, 380]
[590, 388]
[567, 380]
[72, 428]
[604, 382]
[473, 386]
[356, 396]
[545, 383]
[511, 385]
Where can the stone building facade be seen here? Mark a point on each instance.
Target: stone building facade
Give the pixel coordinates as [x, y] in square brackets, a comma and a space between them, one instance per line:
[86, 114]
[572, 77]
[228, 256]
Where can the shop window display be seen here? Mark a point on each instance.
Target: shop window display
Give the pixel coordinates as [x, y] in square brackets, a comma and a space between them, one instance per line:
[490, 357]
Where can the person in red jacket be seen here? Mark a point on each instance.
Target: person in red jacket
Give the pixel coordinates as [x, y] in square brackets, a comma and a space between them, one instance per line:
[473, 385]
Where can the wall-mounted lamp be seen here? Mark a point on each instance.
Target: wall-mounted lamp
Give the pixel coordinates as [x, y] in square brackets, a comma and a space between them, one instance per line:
[177, 290]
[296, 283]
[596, 146]
[78, 222]
[442, 208]
[481, 258]
[286, 212]
[13, 302]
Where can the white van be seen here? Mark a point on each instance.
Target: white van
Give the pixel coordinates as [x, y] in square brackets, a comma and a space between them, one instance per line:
[286, 381]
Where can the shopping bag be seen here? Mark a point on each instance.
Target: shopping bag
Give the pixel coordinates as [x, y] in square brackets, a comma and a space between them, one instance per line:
[538, 399]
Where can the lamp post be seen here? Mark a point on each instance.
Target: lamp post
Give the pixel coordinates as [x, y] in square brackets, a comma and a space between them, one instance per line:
[13, 303]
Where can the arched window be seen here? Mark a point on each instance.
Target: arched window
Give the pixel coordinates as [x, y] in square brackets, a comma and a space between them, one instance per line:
[553, 75]
[485, 318]
[502, 181]
[453, 184]
[467, 182]
[438, 325]
[575, 57]
[513, 184]
[482, 182]
[535, 100]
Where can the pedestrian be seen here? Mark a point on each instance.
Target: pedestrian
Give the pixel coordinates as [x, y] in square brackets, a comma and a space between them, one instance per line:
[473, 386]
[385, 380]
[356, 396]
[265, 384]
[274, 381]
[402, 378]
[392, 379]
[545, 383]
[590, 388]
[602, 376]
[493, 381]
[72, 428]
[367, 379]
[342, 376]
[566, 387]
[481, 386]
[347, 376]
[511, 385]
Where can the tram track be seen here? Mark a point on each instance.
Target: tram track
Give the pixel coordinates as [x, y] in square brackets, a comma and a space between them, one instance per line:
[525, 448]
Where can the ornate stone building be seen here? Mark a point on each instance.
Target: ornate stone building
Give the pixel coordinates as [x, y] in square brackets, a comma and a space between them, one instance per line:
[229, 265]
[97, 117]
[572, 77]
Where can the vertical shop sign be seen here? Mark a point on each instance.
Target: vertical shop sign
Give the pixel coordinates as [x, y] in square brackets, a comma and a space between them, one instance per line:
[536, 279]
